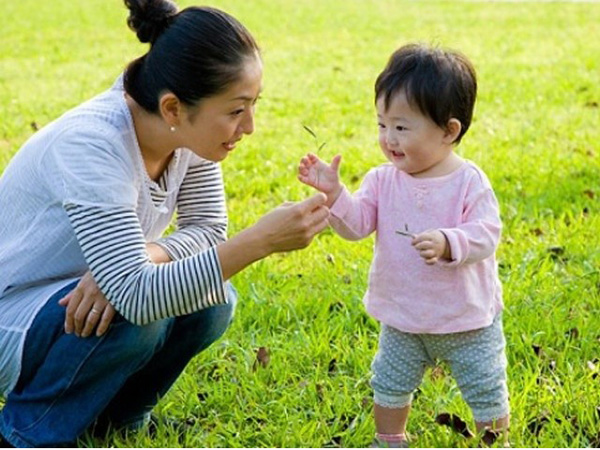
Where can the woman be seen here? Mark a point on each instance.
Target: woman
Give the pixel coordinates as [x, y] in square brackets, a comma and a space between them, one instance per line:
[84, 204]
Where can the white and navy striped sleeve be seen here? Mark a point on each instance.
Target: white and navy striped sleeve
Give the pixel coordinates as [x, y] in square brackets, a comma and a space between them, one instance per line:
[201, 212]
[114, 248]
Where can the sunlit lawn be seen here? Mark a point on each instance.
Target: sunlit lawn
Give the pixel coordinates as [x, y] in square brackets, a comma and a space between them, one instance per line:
[535, 134]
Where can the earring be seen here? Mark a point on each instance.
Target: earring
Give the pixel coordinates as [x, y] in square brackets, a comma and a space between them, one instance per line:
[172, 129]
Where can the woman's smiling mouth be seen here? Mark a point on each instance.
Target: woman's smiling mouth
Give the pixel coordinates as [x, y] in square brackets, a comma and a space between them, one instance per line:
[230, 145]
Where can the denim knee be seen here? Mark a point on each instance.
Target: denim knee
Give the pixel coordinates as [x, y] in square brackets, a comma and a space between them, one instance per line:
[222, 315]
[215, 320]
[140, 341]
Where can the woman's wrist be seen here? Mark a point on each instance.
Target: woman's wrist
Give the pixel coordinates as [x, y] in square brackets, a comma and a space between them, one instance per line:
[241, 250]
[255, 243]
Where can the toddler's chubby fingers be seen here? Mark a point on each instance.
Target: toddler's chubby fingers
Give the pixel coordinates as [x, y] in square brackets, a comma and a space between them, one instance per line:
[422, 244]
[424, 236]
[427, 254]
[312, 157]
[305, 161]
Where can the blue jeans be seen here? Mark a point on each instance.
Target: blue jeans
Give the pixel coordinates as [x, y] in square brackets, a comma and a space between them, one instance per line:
[68, 383]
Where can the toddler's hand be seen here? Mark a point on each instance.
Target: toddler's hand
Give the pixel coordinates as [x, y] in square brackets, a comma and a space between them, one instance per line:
[325, 178]
[432, 245]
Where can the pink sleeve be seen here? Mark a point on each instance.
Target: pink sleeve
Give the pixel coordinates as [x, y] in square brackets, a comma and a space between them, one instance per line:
[354, 216]
[477, 237]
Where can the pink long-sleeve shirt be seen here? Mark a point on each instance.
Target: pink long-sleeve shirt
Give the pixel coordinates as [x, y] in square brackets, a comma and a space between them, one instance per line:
[404, 292]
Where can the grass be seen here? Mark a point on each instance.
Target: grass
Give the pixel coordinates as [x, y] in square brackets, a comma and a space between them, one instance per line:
[535, 133]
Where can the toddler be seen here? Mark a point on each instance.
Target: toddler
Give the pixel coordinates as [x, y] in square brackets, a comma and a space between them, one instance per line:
[433, 282]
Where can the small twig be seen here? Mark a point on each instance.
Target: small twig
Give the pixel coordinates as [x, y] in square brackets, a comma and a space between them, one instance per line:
[312, 133]
[406, 232]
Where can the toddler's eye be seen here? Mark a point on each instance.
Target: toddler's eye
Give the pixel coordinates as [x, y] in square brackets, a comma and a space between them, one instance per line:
[400, 128]
[381, 126]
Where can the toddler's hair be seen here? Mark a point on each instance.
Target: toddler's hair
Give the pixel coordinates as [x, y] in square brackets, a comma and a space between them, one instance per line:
[441, 83]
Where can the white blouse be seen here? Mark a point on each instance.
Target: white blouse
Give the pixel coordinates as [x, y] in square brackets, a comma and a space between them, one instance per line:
[77, 197]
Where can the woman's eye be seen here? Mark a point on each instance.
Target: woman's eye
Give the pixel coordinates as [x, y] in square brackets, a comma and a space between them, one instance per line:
[237, 112]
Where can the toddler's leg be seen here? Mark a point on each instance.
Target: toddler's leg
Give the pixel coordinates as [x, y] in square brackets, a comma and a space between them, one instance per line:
[478, 364]
[391, 426]
[398, 369]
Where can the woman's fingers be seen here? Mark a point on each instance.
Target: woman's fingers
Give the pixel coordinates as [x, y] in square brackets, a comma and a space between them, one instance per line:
[292, 227]
[87, 309]
[86, 312]
[75, 298]
[319, 216]
[65, 300]
[105, 321]
[312, 203]
[93, 316]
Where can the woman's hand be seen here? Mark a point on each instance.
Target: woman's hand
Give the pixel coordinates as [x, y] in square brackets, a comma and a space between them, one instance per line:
[87, 309]
[291, 226]
[325, 178]
[432, 245]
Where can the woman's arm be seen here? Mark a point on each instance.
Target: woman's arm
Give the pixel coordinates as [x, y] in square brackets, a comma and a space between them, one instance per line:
[201, 212]
[113, 246]
[88, 310]
[288, 227]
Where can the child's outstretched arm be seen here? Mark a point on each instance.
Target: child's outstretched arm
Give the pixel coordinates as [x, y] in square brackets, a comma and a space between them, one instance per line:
[316, 173]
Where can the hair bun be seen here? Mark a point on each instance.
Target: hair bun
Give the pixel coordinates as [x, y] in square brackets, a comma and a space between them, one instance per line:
[149, 18]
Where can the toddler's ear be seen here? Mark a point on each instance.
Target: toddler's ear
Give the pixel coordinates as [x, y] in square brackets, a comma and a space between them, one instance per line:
[452, 130]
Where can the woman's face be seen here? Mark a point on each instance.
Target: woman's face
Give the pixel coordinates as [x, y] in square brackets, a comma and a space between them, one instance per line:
[214, 127]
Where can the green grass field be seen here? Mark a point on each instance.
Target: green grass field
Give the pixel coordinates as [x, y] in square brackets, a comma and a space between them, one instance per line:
[535, 133]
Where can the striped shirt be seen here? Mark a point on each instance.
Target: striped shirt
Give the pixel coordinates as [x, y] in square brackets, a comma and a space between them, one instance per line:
[77, 197]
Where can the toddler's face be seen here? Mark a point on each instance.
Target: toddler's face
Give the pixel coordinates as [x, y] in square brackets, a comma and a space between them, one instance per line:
[409, 139]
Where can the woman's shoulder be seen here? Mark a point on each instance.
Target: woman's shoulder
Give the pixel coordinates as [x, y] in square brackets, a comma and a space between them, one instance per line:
[104, 114]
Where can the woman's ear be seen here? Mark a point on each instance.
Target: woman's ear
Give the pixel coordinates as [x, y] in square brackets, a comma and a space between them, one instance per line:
[170, 109]
[453, 128]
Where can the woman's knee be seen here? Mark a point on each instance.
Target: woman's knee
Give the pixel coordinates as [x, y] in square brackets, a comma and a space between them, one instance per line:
[139, 340]
[204, 327]
[217, 319]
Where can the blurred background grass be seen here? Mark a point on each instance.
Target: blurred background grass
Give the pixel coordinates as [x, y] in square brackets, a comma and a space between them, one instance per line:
[535, 133]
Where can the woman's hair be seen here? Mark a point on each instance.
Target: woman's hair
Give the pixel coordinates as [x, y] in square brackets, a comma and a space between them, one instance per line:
[441, 83]
[194, 53]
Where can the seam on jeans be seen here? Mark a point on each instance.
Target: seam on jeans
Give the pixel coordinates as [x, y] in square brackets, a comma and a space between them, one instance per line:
[11, 436]
[69, 384]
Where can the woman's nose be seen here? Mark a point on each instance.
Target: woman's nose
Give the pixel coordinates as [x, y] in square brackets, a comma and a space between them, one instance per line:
[247, 124]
